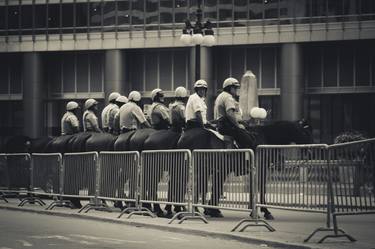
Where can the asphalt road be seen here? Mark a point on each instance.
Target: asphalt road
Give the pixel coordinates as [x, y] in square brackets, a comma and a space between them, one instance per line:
[28, 230]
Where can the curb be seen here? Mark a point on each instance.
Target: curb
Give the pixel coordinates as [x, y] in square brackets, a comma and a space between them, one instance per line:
[166, 227]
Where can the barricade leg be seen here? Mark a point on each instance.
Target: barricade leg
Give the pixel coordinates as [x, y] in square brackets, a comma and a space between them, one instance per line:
[31, 199]
[60, 202]
[3, 198]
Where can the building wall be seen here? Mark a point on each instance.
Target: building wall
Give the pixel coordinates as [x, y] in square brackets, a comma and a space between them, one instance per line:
[337, 38]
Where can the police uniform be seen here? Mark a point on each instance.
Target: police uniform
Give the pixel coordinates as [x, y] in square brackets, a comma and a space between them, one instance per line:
[159, 115]
[90, 121]
[68, 122]
[195, 104]
[223, 103]
[177, 110]
[111, 118]
[131, 116]
[105, 115]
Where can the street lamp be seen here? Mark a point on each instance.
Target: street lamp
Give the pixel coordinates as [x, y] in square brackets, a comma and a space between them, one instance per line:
[200, 34]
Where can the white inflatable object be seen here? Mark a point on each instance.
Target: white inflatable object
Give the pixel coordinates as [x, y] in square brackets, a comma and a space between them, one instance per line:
[262, 113]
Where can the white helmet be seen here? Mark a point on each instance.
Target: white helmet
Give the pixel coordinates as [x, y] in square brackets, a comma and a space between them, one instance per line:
[122, 99]
[72, 105]
[113, 96]
[200, 83]
[230, 82]
[181, 92]
[89, 103]
[135, 96]
[155, 92]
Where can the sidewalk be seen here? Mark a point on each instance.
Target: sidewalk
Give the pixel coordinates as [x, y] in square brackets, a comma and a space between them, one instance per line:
[291, 227]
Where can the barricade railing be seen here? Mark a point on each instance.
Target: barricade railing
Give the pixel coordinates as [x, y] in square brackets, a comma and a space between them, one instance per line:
[222, 179]
[16, 173]
[351, 183]
[79, 177]
[4, 177]
[118, 179]
[44, 177]
[164, 178]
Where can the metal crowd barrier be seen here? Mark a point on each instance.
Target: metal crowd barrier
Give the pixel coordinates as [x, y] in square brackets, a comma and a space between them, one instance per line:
[164, 178]
[351, 183]
[15, 174]
[44, 177]
[222, 179]
[79, 174]
[118, 179]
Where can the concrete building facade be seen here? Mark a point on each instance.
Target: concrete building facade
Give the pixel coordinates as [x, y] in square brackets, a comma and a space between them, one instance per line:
[312, 58]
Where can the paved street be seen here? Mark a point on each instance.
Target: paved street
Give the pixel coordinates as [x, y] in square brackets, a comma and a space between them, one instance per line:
[27, 230]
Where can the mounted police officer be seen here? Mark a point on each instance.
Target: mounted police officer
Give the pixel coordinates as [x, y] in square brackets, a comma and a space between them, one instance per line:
[228, 115]
[177, 109]
[106, 111]
[114, 115]
[131, 115]
[196, 108]
[90, 120]
[69, 122]
[159, 113]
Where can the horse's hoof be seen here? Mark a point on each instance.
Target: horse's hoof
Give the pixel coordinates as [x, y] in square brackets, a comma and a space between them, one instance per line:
[159, 213]
[268, 216]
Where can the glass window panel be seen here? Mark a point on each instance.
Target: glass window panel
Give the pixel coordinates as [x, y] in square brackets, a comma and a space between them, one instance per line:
[109, 12]
[95, 11]
[256, 11]
[69, 72]
[368, 8]
[330, 66]
[54, 73]
[268, 67]
[240, 12]
[166, 11]
[96, 72]
[82, 72]
[26, 17]
[225, 13]
[13, 22]
[3, 74]
[67, 18]
[318, 10]
[271, 9]
[179, 68]
[238, 60]
[346, 65]
[193, 6]
[123, 12]
[81, 17]
[314, 66]
[253, 61]
[223, 67]
[2, 18]
[137, 13]
[334, 10]
[53, 17]
[15, 64]
[165, 70]
[151, 70]
[152, 14]
[180, 11]
[210, 10]
[302, 11]
[136, 72]
[351, 9]
[363, 63]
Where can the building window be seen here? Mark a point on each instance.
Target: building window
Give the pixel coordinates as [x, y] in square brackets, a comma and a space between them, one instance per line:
[123, 15]
[137, 16]
[225, 13]
[180, 11]
[166, 13]
[67, 17]
[240, 12]
[26, 19]
[95, 15]
[152, 14]
[54, 17]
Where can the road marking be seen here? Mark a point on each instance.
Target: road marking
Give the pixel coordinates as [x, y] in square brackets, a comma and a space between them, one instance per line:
[25, 243]
[5, 247]
[60, 237]
[107, 240]
[175, 238]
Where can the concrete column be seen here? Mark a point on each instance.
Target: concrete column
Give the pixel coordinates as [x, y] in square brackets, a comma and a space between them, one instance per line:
[206, 73]
[291, 82]
[114, 74]
[33, 94]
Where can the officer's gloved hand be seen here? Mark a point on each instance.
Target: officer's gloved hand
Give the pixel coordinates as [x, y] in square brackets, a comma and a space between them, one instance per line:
[241, 126]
